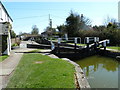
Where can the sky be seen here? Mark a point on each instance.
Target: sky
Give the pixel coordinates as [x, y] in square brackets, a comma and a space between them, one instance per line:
[29, 13]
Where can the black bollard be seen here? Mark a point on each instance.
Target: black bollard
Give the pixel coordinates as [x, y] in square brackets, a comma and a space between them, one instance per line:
[104, 44]
[104, 48]
[75, 48]
[95, 46]
[58, 48]
[87, 46]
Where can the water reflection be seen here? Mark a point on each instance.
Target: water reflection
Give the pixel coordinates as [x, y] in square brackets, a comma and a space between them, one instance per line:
[97, 68]
[94, 62]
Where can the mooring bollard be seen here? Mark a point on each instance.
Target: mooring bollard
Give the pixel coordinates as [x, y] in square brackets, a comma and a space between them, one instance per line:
[59, 41]
[87, 43]
[52, 46]
[95, 43]
[104, 45]
[108, 41]
[95, 46]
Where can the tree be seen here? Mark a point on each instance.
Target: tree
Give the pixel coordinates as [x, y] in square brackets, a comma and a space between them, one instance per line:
[72, 24]
[50, 31]
[110, 21]
[99, 28]
[62, 29]
[13, 34]
[35, 30]
[75, 22]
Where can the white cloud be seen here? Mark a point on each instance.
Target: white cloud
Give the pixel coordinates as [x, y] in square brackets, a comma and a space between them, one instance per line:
[59, 0]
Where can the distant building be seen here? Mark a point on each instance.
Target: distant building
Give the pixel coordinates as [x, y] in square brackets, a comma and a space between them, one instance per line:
[118, 15]
[119, 11]
[84, 26]
[5, 27]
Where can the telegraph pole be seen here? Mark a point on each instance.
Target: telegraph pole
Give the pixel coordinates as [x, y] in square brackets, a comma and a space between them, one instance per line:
[81, 17]
[50, 21]
[50, 24]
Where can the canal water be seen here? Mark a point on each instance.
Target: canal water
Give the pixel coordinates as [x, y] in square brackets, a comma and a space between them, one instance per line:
[101, 72]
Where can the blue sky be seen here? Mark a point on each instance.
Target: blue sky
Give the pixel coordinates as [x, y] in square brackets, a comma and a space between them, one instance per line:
[27, 14]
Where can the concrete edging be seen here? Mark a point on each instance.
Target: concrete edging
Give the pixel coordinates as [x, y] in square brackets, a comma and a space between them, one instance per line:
[80, 76]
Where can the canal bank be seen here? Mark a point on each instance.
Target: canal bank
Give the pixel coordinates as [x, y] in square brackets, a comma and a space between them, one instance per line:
[101, 68]
[102, 73]
[110, 53]
[80, 78]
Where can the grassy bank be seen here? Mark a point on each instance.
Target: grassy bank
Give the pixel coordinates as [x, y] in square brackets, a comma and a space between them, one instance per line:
[114, 47]
[35, 51]
[3, 57]
[77, 44]
[39, 71]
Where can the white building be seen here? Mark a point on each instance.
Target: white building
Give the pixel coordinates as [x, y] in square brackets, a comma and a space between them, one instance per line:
[5, 27]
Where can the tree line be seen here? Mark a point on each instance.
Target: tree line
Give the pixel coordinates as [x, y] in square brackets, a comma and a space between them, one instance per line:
[80, 26]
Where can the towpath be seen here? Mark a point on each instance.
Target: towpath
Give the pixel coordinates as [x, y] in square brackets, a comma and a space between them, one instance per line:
[8, 65]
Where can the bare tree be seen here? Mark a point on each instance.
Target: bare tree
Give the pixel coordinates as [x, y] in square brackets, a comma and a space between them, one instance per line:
[35, 30]
[109, 20]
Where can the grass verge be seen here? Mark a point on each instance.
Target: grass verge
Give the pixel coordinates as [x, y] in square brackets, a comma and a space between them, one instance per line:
[78, 44]
[114, 47]
[39, 71]
[3, 57]
[34, 51]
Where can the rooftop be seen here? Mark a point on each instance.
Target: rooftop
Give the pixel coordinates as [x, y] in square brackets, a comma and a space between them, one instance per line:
[5, 10]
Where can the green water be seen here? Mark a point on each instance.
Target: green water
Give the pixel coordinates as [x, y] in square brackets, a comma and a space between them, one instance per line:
[101, 72]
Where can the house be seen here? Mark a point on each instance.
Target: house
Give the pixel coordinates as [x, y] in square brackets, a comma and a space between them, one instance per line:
[5, 27]
[44, 34]
[85, 26]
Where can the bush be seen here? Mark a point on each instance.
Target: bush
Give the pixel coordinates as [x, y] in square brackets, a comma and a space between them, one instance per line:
[15, 44]
[108, 33]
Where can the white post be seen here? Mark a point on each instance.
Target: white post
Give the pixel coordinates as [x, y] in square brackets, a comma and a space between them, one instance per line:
[7, 51]
[95, 39]
[52, 46]
[108, 41]
[87, 39]
[75, 40]
[8, 46]
[59, 40]
[9, 38]
[104, 43]
[66, 37]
